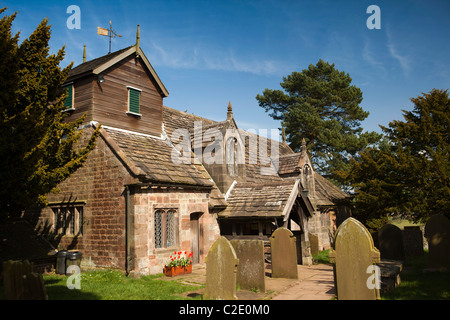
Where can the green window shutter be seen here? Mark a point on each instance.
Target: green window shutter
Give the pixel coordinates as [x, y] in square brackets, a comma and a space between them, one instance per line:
[69, 99]
[134, 101]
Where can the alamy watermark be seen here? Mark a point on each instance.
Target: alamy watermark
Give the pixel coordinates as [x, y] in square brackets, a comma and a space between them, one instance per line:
[74, 20]
[230, 147]
[74, 281]
[374, 280]
[374, 21]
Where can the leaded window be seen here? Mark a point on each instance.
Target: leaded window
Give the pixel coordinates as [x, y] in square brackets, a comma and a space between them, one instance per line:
[165, 228]
[68, 220]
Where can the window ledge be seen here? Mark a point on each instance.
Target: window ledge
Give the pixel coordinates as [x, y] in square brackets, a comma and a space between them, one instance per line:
[134, 114]
[70, 109]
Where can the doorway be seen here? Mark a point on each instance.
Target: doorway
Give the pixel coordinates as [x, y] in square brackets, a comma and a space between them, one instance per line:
[195, 236]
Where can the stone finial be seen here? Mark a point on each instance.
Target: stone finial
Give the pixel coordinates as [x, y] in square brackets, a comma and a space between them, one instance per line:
[138, 40]
[304, 146]
[84, 54]
[229, 111]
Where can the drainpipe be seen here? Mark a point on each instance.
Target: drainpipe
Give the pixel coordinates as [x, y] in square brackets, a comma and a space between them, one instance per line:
[127, 230]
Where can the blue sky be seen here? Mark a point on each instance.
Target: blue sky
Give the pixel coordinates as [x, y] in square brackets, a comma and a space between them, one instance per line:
[210, 52]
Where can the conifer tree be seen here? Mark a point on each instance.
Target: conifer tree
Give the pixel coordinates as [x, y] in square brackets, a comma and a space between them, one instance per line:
[320, 105]
[410, 174]
[38, 148]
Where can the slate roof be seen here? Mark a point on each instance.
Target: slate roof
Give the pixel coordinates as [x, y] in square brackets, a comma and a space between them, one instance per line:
[152, 158]
[89, 66]
[260, 200]
[98, 65]
[255, 171]
[327, 194]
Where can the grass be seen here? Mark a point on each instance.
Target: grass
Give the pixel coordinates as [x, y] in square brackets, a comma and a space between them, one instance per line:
[113, 285]
[418, 284]
[401, 223]
[322, 257]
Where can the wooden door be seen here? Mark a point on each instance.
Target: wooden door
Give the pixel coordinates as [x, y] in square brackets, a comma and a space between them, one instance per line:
[195, 236]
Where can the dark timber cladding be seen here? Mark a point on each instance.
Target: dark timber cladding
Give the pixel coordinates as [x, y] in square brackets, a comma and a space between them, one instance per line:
[111, 98]
[101, 88]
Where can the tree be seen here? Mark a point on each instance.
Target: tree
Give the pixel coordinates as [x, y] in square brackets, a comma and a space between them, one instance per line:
[38, 148]
[320, 105]
[410, 173]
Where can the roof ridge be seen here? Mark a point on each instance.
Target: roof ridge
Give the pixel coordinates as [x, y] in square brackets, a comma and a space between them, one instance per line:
[93, 61]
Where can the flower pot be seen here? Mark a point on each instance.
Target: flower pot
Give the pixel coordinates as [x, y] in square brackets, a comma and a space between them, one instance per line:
[188, 269]
[173, 271]
[176, 271]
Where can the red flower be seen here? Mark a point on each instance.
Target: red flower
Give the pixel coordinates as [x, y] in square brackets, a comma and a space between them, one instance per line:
[185, 252]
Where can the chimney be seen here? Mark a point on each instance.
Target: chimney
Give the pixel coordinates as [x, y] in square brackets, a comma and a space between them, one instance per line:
[229, 111]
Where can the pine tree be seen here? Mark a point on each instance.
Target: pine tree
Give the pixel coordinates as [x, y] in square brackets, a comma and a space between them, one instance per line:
[320, 105]
[38, 148]
[410, 174]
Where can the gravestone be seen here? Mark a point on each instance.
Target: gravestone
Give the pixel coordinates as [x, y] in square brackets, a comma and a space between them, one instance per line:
[354, 256]
[250, 271]
[284, 254]
[221, 268]
[390, 242]
[314, 242]
[437, 232]
[20, 283]
[413, 241]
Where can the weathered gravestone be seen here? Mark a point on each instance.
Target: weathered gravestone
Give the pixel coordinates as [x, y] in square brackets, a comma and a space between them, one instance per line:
[250, 271]
[390, 243]
[221, 268]
[21, 283]
[284, 254]
[314, 242]
[437, 232]
[354, 256]
[413, 241]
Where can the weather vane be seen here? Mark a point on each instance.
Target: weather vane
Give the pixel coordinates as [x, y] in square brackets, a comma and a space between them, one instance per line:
[108, 33]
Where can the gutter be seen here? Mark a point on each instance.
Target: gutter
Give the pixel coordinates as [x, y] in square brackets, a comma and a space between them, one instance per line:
[127, 231]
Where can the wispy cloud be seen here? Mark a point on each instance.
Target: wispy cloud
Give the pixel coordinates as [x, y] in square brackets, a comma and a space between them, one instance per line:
[206, 59]
[403, 60]
[368, 56]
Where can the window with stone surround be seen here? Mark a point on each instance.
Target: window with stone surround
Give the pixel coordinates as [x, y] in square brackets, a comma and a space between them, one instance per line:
[68, 220]
[165, 228]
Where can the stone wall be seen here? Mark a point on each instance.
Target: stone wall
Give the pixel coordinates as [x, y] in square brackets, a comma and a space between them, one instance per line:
[150, 260]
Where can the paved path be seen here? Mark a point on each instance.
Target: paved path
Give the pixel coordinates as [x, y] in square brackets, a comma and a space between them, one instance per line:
[314, 283]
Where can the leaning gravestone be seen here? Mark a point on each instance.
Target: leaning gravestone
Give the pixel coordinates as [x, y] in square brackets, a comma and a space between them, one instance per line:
[284, 254]
[250, 271]
[221, 268]
[437, 232]
[390, 243]
[354, 256]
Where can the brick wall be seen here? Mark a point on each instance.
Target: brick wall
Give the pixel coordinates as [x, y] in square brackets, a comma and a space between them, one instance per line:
[100, 183]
